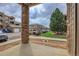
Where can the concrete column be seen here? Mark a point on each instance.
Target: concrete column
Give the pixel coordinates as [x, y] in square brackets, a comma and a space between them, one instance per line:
[25, 24]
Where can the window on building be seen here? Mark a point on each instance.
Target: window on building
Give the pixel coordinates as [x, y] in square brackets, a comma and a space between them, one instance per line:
[1, 20]
[11, 22]
[1, 15]
[16, 24]
[34, 30]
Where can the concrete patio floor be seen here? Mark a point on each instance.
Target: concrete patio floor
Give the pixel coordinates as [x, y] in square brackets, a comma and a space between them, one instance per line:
[34, 50]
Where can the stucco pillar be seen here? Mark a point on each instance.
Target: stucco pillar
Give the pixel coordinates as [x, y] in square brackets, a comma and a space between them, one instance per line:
[77, 41]
[25, 23]
[71, 28]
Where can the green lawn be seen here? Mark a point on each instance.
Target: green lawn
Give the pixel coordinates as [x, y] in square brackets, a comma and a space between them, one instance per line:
[53, 35]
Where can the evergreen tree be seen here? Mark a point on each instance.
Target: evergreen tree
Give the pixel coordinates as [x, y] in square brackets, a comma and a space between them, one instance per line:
[57, 21]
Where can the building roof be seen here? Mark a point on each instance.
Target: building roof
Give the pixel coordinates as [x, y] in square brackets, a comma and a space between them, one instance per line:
[1, 13]
[12, 17]
[38, 25]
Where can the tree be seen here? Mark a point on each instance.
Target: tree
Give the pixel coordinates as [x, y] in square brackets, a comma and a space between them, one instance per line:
[57, 21]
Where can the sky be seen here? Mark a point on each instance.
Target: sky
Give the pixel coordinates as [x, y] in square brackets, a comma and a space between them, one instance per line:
[37, 14]
[11, 9]
[41, 13]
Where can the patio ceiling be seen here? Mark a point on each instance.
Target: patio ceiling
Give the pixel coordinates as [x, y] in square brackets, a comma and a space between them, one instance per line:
[32, 4]
[29, 4]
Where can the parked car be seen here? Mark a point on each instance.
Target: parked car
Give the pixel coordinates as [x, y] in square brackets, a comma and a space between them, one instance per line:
[3, 36]
[7, 31]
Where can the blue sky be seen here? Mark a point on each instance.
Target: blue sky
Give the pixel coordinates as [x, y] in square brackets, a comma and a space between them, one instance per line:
[11, 9]
[37, 14]
[41, 13]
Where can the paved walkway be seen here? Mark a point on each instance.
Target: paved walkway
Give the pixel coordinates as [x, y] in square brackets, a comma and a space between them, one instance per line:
[34, 50]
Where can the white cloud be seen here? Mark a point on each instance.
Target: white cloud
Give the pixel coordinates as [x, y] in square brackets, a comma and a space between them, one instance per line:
[41, 13]
[11, 9]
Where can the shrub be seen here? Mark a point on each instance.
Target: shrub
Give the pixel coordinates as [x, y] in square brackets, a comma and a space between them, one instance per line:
[47, 34]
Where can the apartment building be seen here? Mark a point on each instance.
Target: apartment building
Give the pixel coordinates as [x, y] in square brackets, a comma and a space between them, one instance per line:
[8, 22]
[37, 29]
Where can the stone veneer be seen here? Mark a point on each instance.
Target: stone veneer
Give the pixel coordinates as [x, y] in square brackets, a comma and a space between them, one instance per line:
[25, 23]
